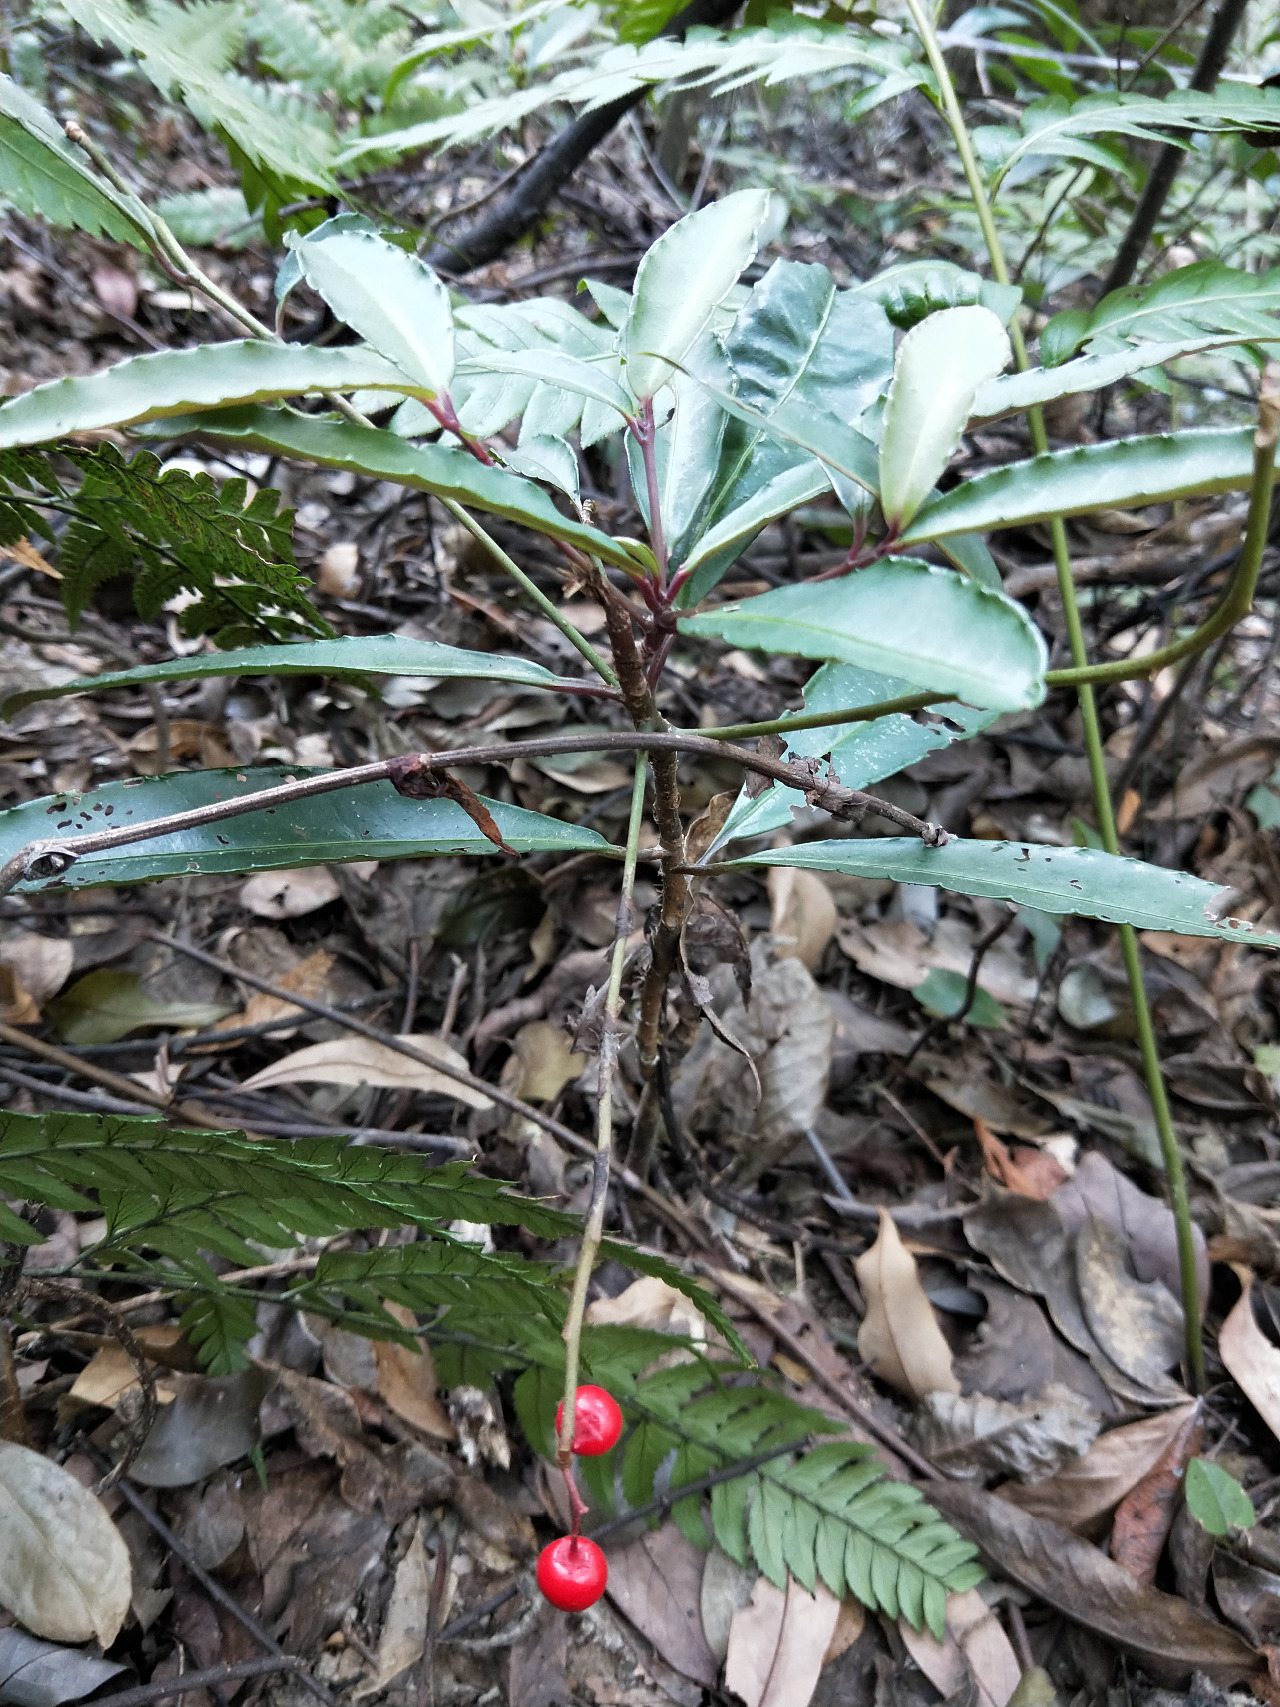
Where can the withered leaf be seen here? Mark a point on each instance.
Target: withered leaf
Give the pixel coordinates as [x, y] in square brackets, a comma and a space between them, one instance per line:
[1250, 1356]
[1145, 1515]
[900, 1339]
[1082, 1493]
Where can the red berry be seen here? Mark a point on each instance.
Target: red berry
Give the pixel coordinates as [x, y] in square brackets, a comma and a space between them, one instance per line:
[597, 1422]
[572, 1573]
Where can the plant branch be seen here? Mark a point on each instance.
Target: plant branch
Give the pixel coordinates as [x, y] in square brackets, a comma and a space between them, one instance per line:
[593, 1227]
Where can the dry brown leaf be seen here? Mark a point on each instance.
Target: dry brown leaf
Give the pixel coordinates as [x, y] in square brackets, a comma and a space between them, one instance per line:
[900, 1340]
[289, 894]
[105, 1379]
[649, 1303]
[42, 964]
[850, 1624]
[974, 1436]
[17, 1005]
[1250, 1356]
[1168, 1636]
[544, 1062]
[1145, 1515]
[22, 551]
[656, 1582]
[1029, 1173]
[407, 1380]
[361, 1061]
[404, 1629]
[804, 918]
[188, 739]
[1138, 1324]
[898, 952]
[1082, 1494]
[64, 1567]
[116, 290]
[307, 978]
[777, 1643]
[726, 1589]
[707, 826]
[975, 1645]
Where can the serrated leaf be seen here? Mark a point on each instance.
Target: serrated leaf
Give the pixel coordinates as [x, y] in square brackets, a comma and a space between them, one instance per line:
[1082, 881]
[1206, 298]
[173, 382]
[369, 822]
[1018, 391]
[681, 282]
[351, 657]
[1122, 474]
[394, 301]
[447, 471]
[913, 289]
[1215, 1499]
[930, 626]
[940, 366]
[43, 173]
[554, 367]
[797, 484]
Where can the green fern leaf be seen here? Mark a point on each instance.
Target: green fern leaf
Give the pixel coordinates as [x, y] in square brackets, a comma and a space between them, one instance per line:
[219, 1327]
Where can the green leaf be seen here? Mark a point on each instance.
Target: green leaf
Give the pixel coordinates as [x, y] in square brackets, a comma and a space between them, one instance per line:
[394, 301]
[941, 993]
[1121, 474]
[913, 289]
[219, 1328]
[823, 435]
[681, 282]
[555, 367]
[1082, 881]
[43, 173]
[941, 363]
[796, 483]
[1017, 391]
[199, 218]
[690, 434]
[1215, 1499]
[368, 822]
[932, 627]
[350, 658]
[448, 471]
[106, 1005]
[171, 382]
[1204, 299]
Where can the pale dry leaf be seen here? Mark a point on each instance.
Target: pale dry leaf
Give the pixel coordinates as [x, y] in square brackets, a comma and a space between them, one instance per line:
[900, 1340]
[64, 1566]
[1138, 1324]
[17, 1005]
[361, 1061]
[404, 1629]
[649, 1303]
[116, 290]
[289, 894]
[544, 1062]
[307, 978]
[850, 1624]
[975, 1644]
[777, 1643]
[803, 915]
[656, 1583]
[726, 1589]
[339, 569]
[42, 963]
[1082, 1494]
[407, 1380]
[974, 1436]
[1250, 1356]
[898, 952]
[22, 551]
[105, 1379]
[188, 739]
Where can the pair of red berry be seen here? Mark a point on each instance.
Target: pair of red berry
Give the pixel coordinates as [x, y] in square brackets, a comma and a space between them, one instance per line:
[572, 1572]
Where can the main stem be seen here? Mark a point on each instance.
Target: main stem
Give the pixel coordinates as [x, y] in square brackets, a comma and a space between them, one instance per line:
[593, 1228]
[1169, 1147]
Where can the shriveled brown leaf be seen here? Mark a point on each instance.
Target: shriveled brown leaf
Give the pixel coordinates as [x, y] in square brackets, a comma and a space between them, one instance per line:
[22, 551]
[777, 1643]
[1169, 1638]
[975, 1435]
[1145, 1515]
[1082, 1493]
[404, 1629]
[17, 1005]
[649, 1303]
[407, 1380]
[64, 1566]
[1029, 1173]
[1250, 1356]
[543, 1062]
[707, 826]
[900, 1340]
[361, 1061]
[975, 1646]
[307, 978]
[1248, 1595]
[188, 739]
[803, 919]
[289, 894]
[657, 1583]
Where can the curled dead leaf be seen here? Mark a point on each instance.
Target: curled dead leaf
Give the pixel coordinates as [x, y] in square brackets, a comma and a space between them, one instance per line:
[1250, 1356]
[900, 1340]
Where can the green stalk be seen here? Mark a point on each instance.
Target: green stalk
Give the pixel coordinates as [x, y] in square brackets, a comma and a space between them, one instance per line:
[593, 1226]
[1082, 680]
[821, 719]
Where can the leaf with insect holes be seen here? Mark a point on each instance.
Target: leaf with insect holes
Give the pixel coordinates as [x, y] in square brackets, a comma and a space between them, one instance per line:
[681, 282]
[940, 366]
[1215, 1499]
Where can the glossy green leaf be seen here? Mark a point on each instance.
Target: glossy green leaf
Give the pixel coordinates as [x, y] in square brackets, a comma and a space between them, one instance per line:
[913, 289]
[681, 282]
[554, 367]
[447, 470]
[941, 363]
[172, 382]
[107, 1004]
[394, 301]
[1122, 474]
[688, 441]
[43, 173]
[803, 426]
[1017, 391]
[798, 484]
[860, 753]
[972, 556]
[941, 992]
[931, 626]
[353, 657]
[1215, 1499]
[1205, 298]
[368, 822]
[1083, 881]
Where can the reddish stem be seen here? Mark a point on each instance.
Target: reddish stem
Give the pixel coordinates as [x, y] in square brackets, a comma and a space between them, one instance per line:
[578, 1509]
[443, 410]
